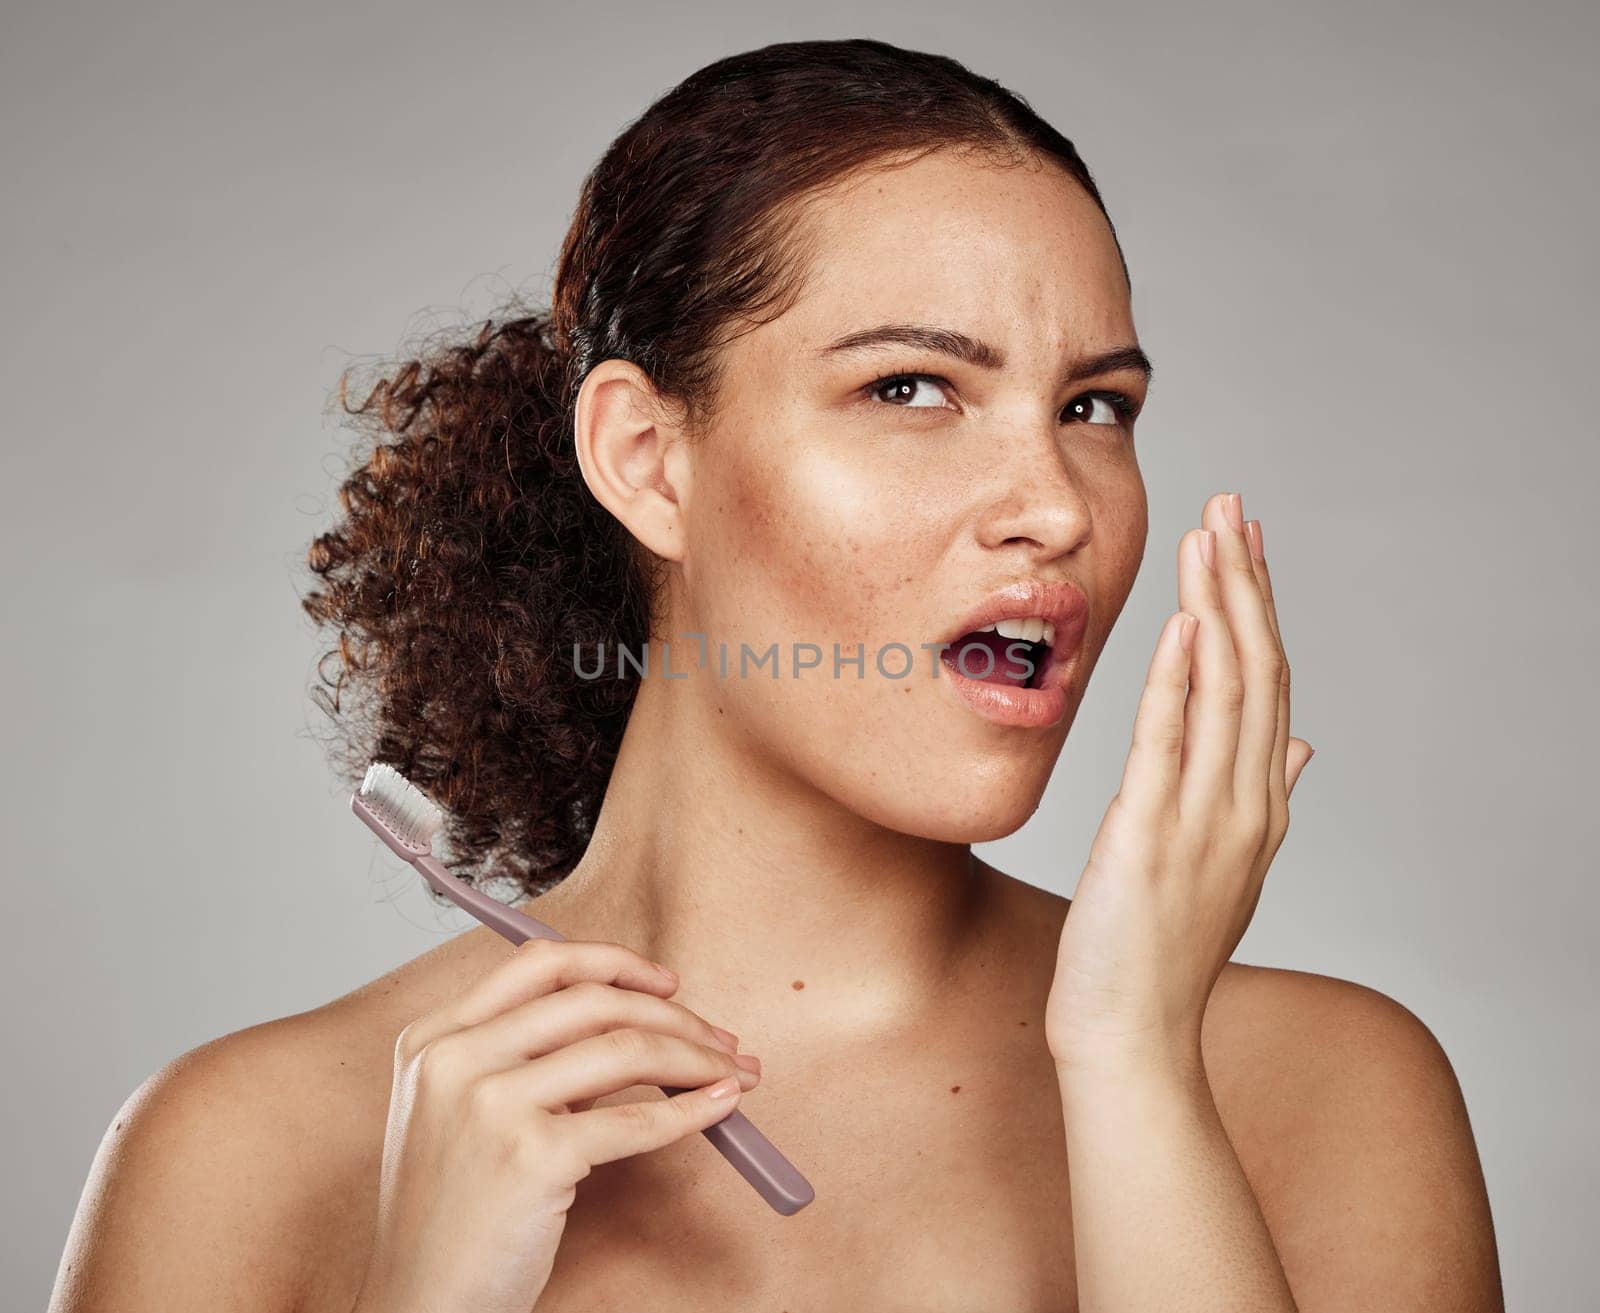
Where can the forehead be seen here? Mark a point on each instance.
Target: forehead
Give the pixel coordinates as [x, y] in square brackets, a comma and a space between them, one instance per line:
[1016, 255]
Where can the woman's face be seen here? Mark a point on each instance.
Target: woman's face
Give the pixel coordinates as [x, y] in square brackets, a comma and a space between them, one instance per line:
[827, 508]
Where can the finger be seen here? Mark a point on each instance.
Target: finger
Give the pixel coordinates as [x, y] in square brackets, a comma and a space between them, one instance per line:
[1150, 774]
[1258, 556]
[1259, 656]
[617, 1060]
[539, 967]
[1211, 715]
[1277, 778]
[590, 1007]
[603, 1135]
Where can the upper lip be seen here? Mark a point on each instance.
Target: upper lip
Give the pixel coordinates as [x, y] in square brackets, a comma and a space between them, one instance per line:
[1060, 602]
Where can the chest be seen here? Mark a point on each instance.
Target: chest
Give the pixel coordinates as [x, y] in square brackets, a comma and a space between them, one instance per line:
[932, 1201]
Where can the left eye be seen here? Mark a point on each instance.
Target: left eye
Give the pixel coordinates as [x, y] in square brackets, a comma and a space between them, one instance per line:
[1100, 408]
[901, 387]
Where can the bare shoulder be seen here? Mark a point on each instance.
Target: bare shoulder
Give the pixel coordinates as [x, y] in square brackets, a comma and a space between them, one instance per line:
[193, 1197]
[1350, 1124]
[233, 1176]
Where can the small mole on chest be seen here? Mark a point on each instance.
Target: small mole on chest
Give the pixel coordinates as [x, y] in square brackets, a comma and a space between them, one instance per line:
[798, 984]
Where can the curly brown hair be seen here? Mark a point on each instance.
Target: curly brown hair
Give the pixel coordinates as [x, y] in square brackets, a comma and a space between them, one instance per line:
[471, 556]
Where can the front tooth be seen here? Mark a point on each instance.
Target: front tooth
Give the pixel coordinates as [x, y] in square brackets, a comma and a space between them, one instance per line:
[1029, 629]
[987, 629]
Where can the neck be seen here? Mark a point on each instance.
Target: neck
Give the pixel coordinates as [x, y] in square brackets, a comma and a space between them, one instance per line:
[761, 891]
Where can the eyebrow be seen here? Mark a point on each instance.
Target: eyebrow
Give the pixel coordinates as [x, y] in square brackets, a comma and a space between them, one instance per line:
[948, 342]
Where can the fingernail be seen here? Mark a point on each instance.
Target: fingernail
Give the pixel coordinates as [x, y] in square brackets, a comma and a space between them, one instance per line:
[1252, 534]
[723, 1088]
[668, 972]
[748, 1061]
[1208, 548]
[1233, 508]
[1186, 628]
[728, 1038]
[1309, 756]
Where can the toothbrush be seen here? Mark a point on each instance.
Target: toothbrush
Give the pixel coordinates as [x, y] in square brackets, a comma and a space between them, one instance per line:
[406, 819]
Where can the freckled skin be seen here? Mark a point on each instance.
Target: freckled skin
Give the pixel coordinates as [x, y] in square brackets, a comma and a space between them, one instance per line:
[841, 518]
[731, 845]
[819, 514]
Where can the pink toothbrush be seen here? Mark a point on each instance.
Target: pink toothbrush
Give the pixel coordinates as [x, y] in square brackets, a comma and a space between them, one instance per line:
[406, 819]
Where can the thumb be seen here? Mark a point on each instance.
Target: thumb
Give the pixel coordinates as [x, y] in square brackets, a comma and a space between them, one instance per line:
[1300, 752]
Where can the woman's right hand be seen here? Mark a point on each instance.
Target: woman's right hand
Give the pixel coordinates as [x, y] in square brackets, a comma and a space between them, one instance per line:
[492, 1121]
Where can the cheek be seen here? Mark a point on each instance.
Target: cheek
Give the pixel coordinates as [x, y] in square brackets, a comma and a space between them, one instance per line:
[803, 542]
[1121, 531]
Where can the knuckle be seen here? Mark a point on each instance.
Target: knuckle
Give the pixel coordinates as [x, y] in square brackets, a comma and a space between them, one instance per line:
[564, 1161]
[637, 960]
[409, 1042]
[486, 1100]
[538, 1149]
[1277, 822]
[439, 1069]
[632, 1043]
[1277, 830]
[1269, 665]
[1165, 738]
[686, 1021]
[436, 1064]
[588, 994]
[681, 1011]
[527, 1148]
[1252, 820]
[540, 958]
[1122, 810]
[637, 1116]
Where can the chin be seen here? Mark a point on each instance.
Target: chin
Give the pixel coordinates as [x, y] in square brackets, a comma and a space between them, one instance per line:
[994, 813]
[963, 805]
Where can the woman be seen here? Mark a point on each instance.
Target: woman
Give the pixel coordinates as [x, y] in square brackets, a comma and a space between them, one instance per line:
[840, 363]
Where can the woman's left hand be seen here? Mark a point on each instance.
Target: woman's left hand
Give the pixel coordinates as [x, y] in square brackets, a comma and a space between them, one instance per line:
[1176, 868]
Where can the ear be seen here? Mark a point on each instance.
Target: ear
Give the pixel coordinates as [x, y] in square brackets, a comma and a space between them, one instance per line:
[631, 455]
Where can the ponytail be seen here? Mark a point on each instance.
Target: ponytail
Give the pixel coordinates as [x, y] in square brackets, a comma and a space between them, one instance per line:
[469, 560]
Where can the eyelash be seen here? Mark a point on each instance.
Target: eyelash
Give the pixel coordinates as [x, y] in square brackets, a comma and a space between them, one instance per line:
[1119, 402]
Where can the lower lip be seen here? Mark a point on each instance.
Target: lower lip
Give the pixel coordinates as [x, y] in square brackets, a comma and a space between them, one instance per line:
[1009, 704]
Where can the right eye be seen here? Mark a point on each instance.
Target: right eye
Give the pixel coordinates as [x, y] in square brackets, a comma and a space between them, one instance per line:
[900, 388]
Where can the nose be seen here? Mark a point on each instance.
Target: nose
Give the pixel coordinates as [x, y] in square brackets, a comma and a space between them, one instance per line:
[1035, 505]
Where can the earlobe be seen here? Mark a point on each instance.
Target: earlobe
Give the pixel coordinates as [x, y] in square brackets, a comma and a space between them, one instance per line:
[623, 444]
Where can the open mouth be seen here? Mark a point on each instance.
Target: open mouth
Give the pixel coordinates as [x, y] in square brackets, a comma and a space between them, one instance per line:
[1009, 652]
[1015, 652]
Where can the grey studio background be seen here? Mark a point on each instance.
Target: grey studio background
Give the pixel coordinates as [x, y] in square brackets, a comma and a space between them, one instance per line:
[1361, 238]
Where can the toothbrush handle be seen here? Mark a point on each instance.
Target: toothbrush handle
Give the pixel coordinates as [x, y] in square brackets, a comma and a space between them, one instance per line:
[753, 1155]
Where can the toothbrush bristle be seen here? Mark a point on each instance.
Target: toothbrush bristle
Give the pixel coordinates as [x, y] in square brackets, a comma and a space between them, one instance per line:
[406, 809]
